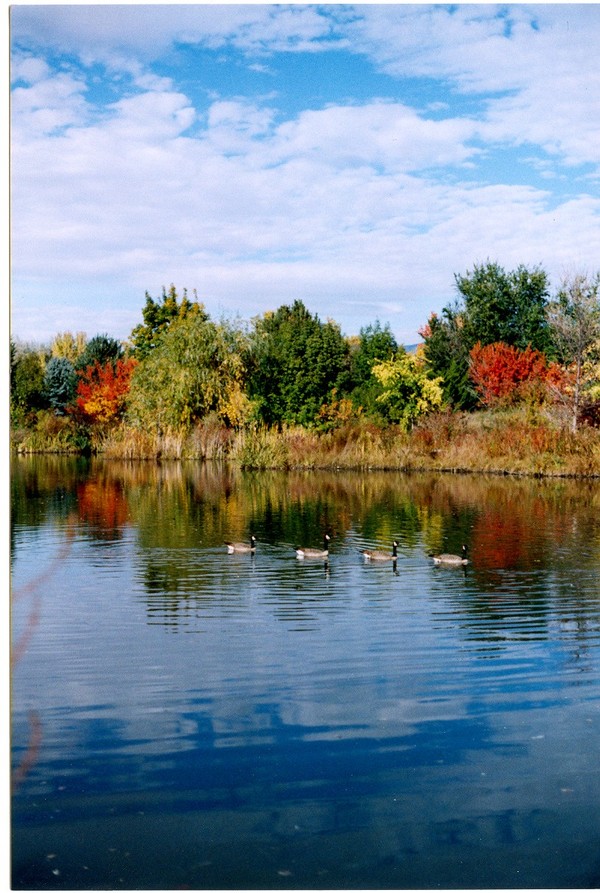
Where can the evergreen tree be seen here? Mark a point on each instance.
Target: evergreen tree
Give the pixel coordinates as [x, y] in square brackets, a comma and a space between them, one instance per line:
[60, 383]
[100, 349]
[446, 355]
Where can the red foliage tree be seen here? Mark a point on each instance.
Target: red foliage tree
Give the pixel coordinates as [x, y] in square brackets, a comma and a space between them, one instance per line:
[102, 390]
[502, 373]
[425, 330]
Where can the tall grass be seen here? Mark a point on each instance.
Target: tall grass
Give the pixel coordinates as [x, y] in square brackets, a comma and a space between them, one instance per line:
[511, 442]
[515, 441]
[132, 443]
[261, 447]
[208, 440]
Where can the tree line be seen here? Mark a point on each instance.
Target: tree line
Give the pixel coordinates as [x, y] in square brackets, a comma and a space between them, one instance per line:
[503, 340]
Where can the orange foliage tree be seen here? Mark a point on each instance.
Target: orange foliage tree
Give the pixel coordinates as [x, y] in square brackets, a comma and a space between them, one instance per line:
[503, 374]
[102, 390]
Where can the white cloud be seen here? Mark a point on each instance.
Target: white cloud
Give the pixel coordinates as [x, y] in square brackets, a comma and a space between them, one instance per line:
[536, 64]
[150, 117]
[48, 101]
[232, 124]
[361, 209]
[562, 119]
[477, 48]
[386, 134]
[111, 32]
[28, 68]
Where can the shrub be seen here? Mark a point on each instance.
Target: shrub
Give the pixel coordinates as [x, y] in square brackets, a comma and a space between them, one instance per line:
[102, 391]
[50, 433]
[505, 375]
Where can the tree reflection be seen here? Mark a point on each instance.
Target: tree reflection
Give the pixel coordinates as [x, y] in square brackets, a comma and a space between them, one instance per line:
[522, 533]
[103, 506]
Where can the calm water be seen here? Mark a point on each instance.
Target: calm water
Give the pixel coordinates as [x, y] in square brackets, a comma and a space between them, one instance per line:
[185, 718]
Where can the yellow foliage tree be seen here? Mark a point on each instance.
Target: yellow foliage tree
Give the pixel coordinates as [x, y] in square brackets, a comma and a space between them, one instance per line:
[408, 392]
[68, 346]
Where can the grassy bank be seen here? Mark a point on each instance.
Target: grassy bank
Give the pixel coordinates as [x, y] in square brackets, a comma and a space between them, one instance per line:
[512, 442]
[507, 444]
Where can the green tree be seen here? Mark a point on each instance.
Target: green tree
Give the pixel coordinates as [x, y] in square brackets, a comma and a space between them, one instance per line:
[158, 316]
[493, 306]
[408, 392]
[375, 344]
[446, 356]
[508, 307]
[298, 363]
[27, 390]
[574, 320]
[196, 368]
[100, 349]
[60, 383]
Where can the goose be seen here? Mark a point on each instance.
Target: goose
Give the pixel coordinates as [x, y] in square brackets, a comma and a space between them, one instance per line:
[374, 555]
[448, 558]
[242, 547]
[315, 553]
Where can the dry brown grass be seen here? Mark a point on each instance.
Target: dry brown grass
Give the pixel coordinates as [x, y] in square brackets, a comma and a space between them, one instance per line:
[507, 442]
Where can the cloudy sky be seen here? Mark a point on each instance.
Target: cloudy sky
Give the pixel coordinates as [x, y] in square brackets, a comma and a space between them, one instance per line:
[354, 157]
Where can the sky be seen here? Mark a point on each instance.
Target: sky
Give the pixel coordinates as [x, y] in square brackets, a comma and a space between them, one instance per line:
[355, 157]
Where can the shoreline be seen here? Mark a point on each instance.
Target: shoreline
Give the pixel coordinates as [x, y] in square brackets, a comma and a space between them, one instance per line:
[510, 444]
[324, 467]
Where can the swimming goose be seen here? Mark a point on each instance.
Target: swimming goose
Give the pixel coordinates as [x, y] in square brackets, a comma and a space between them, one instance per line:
[448, 558]
[315, 553]
[374, 555]
[242, 547]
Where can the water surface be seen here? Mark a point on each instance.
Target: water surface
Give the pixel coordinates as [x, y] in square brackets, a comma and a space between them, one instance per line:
[185, 718]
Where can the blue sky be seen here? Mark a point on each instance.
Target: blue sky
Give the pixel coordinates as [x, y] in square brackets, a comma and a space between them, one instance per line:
[354, 157]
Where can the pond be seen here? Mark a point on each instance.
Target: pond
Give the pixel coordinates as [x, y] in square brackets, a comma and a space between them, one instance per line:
[185, 718]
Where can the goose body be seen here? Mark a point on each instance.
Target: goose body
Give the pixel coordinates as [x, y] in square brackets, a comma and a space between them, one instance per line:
[448, 558]
[375, 555]
[315, 553]
[242, 547]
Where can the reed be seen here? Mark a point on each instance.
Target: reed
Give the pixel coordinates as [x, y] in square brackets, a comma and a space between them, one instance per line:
[516, 441]
[162, 445]
[513, 443]
[131, 443]
[260, 448]
[209, 440]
